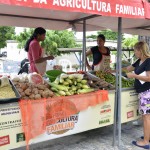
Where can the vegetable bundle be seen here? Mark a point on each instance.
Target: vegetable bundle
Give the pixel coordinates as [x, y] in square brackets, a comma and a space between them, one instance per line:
[71, 84]
[126, 83]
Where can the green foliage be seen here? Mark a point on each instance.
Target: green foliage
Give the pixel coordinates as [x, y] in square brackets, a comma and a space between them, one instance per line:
[109, 35]
[6, 33]
[53, 40]
[93, 36]
[130, 42]
[23, 37]
[58, 39]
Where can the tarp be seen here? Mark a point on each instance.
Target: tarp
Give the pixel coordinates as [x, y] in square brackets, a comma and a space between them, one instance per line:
[53, 14]
[37, 114]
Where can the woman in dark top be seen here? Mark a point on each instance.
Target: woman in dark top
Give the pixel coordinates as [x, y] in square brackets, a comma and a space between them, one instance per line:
[101, 55]
[141, 75]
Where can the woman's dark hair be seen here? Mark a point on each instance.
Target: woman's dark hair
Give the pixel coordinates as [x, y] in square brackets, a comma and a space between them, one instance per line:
[101, 36]
[37, 31]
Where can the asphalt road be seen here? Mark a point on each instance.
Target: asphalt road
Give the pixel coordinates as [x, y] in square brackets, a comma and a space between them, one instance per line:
[97, 139]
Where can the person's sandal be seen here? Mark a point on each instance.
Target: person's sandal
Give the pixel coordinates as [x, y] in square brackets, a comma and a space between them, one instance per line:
[144, 146]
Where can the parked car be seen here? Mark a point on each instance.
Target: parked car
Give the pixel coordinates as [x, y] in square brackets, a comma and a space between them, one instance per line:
[3, 54]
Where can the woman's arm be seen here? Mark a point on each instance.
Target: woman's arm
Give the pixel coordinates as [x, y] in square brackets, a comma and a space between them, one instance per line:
[125, 69]
[88, 52]
[37, 58]
[42, 59]
[139, 77]
[128, 68]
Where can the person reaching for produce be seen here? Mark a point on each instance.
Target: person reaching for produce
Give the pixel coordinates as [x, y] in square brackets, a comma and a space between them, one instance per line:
[141, 75]
[101, 55]
[35, 51]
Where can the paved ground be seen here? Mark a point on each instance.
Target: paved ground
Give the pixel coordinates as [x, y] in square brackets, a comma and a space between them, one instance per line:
[97, 139]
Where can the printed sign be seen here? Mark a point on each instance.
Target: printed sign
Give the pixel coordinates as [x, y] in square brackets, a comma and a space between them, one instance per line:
[4, 140]
[119, 8]
[62, 125]
[129, 106]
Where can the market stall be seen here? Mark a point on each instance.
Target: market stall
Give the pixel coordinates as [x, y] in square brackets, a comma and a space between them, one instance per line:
[48, 117]
[62, 20]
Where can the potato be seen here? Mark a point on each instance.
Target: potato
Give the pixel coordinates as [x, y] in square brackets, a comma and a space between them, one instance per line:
[20, 90]
[27, 91]
[35, 91]
[25, 98]
[15, 82]
[41, 86]
[16, 79]
[37, 96]
[22, 94]
[24, 86]
[32, 96]
[40, 92]
[45, 94]
[51, 93]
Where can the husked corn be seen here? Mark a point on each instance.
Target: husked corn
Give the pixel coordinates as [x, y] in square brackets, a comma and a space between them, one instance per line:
[7, 92]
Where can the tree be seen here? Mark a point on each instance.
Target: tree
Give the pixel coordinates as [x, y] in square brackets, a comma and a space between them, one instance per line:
[6, 33]
[23, 37]
[130, 42]
[53, 40]
[109, 35]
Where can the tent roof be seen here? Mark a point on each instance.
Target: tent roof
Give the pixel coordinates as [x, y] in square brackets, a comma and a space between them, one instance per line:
[20, 16]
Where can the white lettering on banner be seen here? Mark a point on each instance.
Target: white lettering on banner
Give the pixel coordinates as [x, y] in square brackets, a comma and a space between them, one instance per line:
[94, 4]
[69, 4]
[78, 4]
[40, 1]
[84, 4]
[62, 3]
[129, 10]
[56, 2]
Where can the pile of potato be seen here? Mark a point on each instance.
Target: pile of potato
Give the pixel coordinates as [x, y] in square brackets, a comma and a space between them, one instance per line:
[30, 91]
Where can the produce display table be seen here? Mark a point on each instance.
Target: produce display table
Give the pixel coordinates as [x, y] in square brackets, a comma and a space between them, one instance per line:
[90, 117]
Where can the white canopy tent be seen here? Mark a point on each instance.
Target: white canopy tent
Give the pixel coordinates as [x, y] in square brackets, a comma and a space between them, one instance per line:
[20, 16]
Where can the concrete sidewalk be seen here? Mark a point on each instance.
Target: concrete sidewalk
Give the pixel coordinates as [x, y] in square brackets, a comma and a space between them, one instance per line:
[97, 139]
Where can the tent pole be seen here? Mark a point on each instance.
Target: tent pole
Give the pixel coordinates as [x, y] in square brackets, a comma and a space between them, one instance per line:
[117, 108]
[115, 129]
[119, 79]
[84, 47]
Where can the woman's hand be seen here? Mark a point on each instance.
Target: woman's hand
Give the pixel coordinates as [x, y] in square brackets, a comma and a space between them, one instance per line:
[131, 75]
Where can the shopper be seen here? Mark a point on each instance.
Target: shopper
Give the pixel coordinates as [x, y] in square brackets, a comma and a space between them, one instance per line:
[35, 51]
[101, 55]
[141, 75]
